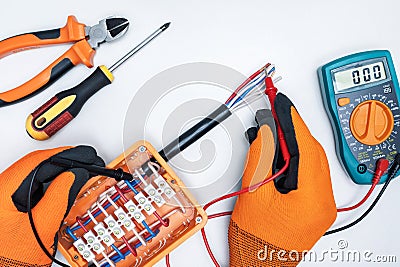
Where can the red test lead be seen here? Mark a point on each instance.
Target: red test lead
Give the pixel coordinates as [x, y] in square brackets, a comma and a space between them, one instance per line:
[381, 166]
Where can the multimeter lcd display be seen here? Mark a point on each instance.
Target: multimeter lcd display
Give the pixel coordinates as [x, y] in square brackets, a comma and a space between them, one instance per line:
[359, 74]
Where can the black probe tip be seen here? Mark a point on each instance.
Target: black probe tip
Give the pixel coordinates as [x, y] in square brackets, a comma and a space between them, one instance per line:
[165, 26]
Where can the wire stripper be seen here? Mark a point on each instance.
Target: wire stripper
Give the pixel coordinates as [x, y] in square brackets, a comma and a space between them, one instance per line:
[85, 38]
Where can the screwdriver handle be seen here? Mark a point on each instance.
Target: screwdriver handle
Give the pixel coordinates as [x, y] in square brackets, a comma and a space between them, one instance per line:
[66, 105]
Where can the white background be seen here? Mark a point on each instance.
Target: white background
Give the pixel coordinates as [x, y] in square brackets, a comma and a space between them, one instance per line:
[298, 36]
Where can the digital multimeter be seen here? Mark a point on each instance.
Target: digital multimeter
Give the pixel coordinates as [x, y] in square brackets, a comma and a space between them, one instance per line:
[361, 96]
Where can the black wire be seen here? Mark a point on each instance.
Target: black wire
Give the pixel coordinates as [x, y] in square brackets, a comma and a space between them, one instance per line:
[392, 175]
[118, 174]
[34, 230]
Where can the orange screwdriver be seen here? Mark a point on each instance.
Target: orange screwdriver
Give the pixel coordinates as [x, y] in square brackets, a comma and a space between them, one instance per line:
[66, 105]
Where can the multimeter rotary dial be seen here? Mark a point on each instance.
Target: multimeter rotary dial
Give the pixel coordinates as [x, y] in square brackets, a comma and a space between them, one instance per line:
[371, 122]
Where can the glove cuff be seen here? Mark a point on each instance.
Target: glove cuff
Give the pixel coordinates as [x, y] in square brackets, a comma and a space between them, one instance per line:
[246, 249]
[13, 263]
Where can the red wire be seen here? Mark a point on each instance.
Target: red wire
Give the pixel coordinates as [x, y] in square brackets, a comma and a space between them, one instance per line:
[203, 234]
[79, 221]
[381, 167]
[105, 203]
[240, 192]
[125, 199]
[221, 214]
[359, 203]
[255, 74]
[119, 191]
[113, 196]
[165, 223]
[271, 92]
[167, 261]
[156, 227]
[131, 249]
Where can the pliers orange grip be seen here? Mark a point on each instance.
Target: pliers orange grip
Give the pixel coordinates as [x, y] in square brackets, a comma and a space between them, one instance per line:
[86, 39]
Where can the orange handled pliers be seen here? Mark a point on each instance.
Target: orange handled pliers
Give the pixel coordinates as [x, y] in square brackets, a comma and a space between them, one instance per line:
[86, 40]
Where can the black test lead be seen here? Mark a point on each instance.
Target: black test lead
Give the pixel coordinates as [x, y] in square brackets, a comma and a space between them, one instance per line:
[66, 105]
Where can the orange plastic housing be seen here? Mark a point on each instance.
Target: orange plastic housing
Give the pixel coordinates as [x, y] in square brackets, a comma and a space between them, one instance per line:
[182, 213]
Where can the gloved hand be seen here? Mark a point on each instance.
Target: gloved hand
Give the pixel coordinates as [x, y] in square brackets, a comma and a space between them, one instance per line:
[292, 213]
[18, 246]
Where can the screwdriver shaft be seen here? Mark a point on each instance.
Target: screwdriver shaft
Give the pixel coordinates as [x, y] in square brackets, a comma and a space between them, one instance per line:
[139, 47]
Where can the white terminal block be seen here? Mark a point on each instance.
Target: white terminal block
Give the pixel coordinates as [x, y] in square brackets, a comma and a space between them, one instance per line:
[134, 212]
[163, 187]
[123, 219]
[103, 234]
[93, 242]
[113, 227]
[84, 250]
[144, 204]
[154, 195]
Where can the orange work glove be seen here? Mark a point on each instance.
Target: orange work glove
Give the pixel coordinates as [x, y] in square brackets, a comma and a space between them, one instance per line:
[274, 224]
[53, 194]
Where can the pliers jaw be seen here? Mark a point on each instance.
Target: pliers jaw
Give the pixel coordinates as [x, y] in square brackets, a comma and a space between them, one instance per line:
[106, 30]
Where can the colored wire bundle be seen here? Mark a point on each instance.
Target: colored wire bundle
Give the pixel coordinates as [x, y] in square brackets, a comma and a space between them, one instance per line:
[255, 80]
[110, 197]
[252, 88]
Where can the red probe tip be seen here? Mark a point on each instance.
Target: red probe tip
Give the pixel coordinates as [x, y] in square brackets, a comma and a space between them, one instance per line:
[269, 83]
[382, 164]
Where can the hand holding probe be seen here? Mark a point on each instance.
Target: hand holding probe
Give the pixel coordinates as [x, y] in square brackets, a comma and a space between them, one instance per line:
[66, 105]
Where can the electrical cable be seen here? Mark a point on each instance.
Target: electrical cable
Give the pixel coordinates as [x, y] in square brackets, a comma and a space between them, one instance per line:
[359, 204]
[391, 175]
[176, 147]
[249, 79]
[248, 90]
[269, 71]
[207, 124]
[381, 167]
[271, 91]
[254, 96]
[220, 214]
[193, 134]
[32, 223]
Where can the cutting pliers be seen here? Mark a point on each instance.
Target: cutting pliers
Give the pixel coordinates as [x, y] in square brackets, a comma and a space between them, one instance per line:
[86, 40]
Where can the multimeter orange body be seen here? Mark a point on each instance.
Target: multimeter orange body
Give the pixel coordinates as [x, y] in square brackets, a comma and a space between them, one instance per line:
[361, 97]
